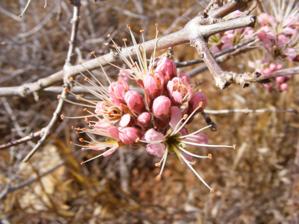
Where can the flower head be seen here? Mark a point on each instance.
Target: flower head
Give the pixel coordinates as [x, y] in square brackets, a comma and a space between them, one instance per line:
[279, 30]
[155, 116]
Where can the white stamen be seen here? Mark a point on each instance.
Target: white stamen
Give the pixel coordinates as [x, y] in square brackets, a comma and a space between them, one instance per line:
[196, 132]
[93, 158]
[195, 155]
[209, 146]
[163, 163]
[78, 104]
[195, 172]
[188, 118]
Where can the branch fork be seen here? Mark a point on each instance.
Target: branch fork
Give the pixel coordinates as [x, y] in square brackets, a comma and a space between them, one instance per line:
[222, 78]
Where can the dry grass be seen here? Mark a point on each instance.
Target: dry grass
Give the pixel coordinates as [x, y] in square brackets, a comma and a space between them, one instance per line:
[257, 183]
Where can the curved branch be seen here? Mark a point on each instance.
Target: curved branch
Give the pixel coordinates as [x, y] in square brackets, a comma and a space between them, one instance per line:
[191, 30]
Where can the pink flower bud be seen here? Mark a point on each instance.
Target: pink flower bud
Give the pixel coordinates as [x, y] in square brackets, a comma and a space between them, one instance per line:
[129, 135]
[228, 40]
[152, 85]
[176, 116]
[214, 49]
[161, 107]
[156, 148]
[153, 135]
[106, 129]
[179, 90]
[125, 120]
[134, 101]
[268, 86]
[290, 31]
[265, 19]
[117, 91]
[267, 36]
[283, 87]
[248, 32]
[125, 74]
[282, 40]
[291, 53]
[144, 119]
[166, 69]
[272, 67]
[280, 79]
[197, 100]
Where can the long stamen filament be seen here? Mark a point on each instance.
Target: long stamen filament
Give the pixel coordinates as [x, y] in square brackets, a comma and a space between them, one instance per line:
[188, 118]
[195, 172]
[208, 145]
[209, 156]
[78, 104]
[163, 163]
[196, 132]
[97, 156]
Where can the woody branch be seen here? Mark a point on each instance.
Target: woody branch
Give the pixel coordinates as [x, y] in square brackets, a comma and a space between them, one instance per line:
[192, 30]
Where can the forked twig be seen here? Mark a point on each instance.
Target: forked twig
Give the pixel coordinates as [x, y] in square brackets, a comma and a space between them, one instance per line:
[46, 130]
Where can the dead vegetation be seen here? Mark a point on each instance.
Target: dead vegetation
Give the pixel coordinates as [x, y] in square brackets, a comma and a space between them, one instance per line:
[257, 183]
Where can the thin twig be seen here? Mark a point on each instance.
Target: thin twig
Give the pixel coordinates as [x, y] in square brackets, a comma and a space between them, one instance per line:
[280, 73]
[20, 140]
[10, 189]
[247, 111]
[9, 14]
[190, 31]
[25, 9]
[227, 52]
[46, 130]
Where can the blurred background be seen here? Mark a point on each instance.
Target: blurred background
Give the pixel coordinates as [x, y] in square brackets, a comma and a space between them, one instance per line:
[257, 183]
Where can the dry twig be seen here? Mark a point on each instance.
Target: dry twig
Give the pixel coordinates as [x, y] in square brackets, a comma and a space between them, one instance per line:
[192, 30]
[46, 130]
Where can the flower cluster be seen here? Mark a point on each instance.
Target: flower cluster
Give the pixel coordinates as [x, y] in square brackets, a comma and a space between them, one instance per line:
[280, 82]
[280, 36]
[228, 39]
[150, 104]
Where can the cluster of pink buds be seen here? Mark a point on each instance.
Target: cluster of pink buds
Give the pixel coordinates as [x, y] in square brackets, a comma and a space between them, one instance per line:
[279, 34]
[150, 104]
[280, 82]
[228, 39]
